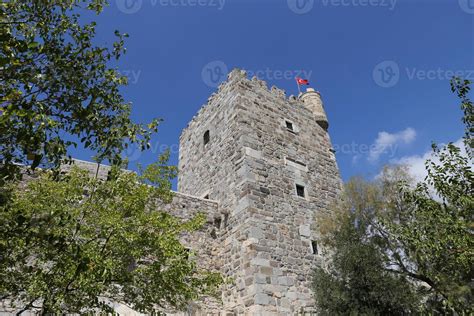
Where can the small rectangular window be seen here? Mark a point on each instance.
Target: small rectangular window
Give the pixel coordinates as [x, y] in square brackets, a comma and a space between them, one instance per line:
[300, 191]
[314, 247]
[217, 222]
[206, 137]
[289, 125]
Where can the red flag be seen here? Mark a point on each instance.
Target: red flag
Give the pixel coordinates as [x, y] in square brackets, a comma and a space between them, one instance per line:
[302, 81]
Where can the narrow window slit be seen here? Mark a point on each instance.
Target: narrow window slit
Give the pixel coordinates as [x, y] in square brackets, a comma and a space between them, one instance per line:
[314, 247]
[217, 222]
[206, 137]
[300, 190]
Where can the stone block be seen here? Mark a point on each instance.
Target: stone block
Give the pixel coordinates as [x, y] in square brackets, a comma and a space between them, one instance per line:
[257, 154]
[262, 299]
[256, 232]
[285, 303]
[266, 271]
[260, 262]
[305, 230]
[260, 278]
[285, 280]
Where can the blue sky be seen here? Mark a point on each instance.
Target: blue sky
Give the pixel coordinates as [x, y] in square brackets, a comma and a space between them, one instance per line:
[382, 66]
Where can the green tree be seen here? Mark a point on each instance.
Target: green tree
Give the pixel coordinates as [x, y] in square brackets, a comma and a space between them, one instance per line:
[431, 236]
[57, 88]
[68, 244]
[462, 88]
[420, 234]
[355, 281]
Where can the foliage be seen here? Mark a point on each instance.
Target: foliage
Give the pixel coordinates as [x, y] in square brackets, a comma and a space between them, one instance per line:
[57, 89]
[68, 244]
[415, 239]
[432, 240]
[462, 88]
[355, 281]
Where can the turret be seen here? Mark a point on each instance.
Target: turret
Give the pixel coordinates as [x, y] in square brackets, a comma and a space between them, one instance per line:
[312, 100]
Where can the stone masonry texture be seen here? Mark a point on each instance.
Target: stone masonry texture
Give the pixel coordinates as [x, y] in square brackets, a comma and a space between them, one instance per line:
[259, 231]
[250, 167]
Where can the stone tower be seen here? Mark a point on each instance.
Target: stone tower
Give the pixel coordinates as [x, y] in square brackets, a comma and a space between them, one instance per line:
[268, 162]
[259, 166]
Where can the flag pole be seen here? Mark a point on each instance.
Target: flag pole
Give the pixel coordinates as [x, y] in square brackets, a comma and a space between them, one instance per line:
[299, 88]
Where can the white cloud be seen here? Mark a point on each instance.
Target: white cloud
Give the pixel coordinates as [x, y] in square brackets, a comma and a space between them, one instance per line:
[387, 142]
[416, 163]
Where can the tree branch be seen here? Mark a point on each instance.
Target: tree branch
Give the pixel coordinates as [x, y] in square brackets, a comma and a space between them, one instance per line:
[27, 307]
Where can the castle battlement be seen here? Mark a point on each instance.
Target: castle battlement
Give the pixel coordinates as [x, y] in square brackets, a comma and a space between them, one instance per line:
[239, 77]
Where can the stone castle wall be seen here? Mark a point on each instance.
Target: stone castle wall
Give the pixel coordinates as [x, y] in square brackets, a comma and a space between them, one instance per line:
[204, 243]
[259, 233]
[91, 167]
[251, 165]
